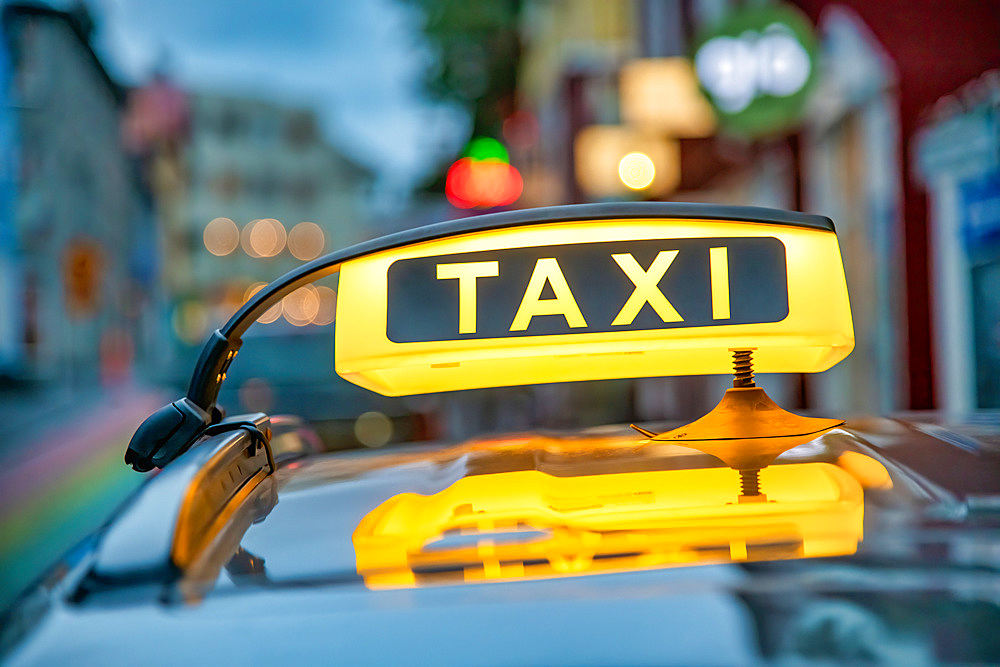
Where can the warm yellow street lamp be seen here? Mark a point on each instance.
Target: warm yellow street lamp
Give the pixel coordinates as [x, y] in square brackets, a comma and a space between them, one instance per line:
[661, 95]
[636, 171]
[615, 160]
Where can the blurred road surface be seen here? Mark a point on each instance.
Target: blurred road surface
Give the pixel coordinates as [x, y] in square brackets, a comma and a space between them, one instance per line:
[61, 473]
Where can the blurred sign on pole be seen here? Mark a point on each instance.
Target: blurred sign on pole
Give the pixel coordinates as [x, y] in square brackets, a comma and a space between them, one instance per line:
[981, 222]
[662, 95]
[614, 160]
[82, 269]
[757, 66]
[960, 146]
[156, 113]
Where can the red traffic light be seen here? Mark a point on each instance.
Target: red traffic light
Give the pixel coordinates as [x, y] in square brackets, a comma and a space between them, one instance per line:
[486, 183]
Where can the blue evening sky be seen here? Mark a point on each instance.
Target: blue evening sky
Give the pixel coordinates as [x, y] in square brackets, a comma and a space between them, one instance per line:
[358, 64]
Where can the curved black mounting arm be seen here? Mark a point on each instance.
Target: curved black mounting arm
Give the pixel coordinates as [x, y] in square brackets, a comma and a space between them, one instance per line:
[172, 429]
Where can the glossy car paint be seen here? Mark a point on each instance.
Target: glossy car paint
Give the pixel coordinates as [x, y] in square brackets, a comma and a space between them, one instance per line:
[922, 587]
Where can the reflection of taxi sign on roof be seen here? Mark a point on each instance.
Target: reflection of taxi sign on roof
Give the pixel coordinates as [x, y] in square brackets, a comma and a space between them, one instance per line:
[528, 524]
[579, 299]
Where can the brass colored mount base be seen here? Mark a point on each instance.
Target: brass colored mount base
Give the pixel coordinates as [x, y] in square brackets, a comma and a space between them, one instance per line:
[746, 430]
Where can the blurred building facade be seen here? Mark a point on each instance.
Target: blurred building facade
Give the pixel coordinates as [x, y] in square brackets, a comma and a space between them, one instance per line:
[958, 157]
[247, 160]
[569, 79]
[931, 49]
[846, 154]
[11, 311]
[78, 239]
[106, 193]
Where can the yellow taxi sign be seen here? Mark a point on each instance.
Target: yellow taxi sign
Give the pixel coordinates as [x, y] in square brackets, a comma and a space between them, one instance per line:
[587, 299]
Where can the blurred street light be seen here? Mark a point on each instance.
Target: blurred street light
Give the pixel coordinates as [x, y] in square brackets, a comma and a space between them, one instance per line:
[483, 177]
[614, 160]
[486, 148]
[301, 306]
[487, 183]
[306, 241]
[221, 236]
[327, 311]
[273, 313]
[636, 171]
[263, 238]
[661, 95]
[735, 70]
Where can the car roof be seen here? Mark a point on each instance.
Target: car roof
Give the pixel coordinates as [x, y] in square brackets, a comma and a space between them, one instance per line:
[294, 570]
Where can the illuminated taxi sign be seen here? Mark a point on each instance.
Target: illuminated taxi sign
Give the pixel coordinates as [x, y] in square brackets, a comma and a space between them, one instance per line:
[587, 287]
[592, 299]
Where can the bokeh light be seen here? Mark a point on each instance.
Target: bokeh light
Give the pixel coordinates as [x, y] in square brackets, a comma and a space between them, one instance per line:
[646, 83]
[486, 148]
[221, 236]
[727, 66]
[611, 161]
[256, 395]
[301, 306]
[268, 237]
[306, 241]
[272, 313]
[245, 238]
[756, 66]
[190, 321]
[373, 429]
[327, 312]
[636, 171]
[263, 238]
[482, 183]
[520, 129]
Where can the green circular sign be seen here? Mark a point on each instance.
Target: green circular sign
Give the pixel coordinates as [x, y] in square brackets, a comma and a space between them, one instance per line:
[757, 67]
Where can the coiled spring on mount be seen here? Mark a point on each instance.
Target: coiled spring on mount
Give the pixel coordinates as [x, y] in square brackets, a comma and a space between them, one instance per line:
[743, 378]
[743, 368]
[750, 482]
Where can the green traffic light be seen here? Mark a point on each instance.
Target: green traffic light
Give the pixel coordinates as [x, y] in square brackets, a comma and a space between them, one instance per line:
[486, 148]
